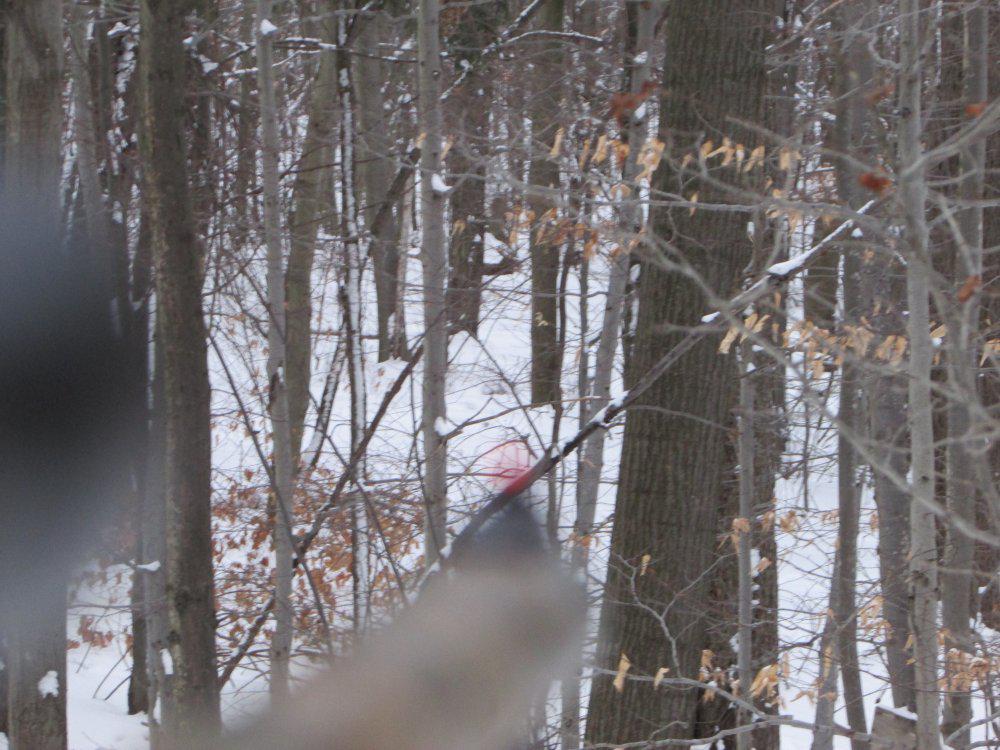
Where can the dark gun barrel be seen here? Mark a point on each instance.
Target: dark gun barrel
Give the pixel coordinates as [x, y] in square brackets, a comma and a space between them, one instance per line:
[64, 405]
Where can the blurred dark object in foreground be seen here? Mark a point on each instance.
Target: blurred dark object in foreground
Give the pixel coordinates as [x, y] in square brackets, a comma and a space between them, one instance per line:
[459, 670]
[64, 409]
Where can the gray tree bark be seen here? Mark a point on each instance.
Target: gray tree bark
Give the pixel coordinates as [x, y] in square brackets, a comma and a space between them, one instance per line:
[546, 92]
[434, 260]
[923, 551]
[312, 205]
[673, 463]
[468, 119]
[283, 473]
[177, 257]
[592, 460]
[350, 297]
[746, 450]
[964, 412]
[850, 133]
[152, 546]
[376, 170]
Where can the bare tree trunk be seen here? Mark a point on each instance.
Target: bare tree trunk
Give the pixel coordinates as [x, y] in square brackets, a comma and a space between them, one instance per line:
[592, 459]
[923, 552]
[956, 578]
[34, 116]
[245, 173]
[85, 129]
[987, 555]
[311, 204]
[853, 78]
[152, 493]
[376, 169]
[283, 474]
[468, 205]
[468, 118]
[178, 261]
[546, 359]
[350, 296]
[673, 463]
[33, 46]
[828, 662]
[887, 398]
[844, 605]
[435, 274]
[154, 555]
[770, 418]
[745, 541]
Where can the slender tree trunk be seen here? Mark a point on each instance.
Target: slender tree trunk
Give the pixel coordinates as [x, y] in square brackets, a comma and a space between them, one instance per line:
[283, 474]
[435, 274]
[828, 661]
[350, 296]
[956, 578]
[546, 359]
[673, 466]
[154, 555]
[178, 261]
[592, 456]
[987, 555]
[86, 130]
[151, 500]
[376, 170]
[770, 418]
[244, 176]
[923, 552]
[745, 541]
[848, 504]
[887, 398]
[311, 204]
[849, 136]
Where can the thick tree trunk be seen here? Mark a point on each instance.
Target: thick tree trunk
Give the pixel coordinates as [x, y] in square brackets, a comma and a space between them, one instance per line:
[435, 276]
[469, 120]
[37, 653]
[673, 466]
[34, 116]
[468, 204]
[178, 261]
[923, 550]
[32, 167]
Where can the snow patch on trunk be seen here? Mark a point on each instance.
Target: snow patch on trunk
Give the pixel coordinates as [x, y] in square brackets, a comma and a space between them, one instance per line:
[49, 684]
